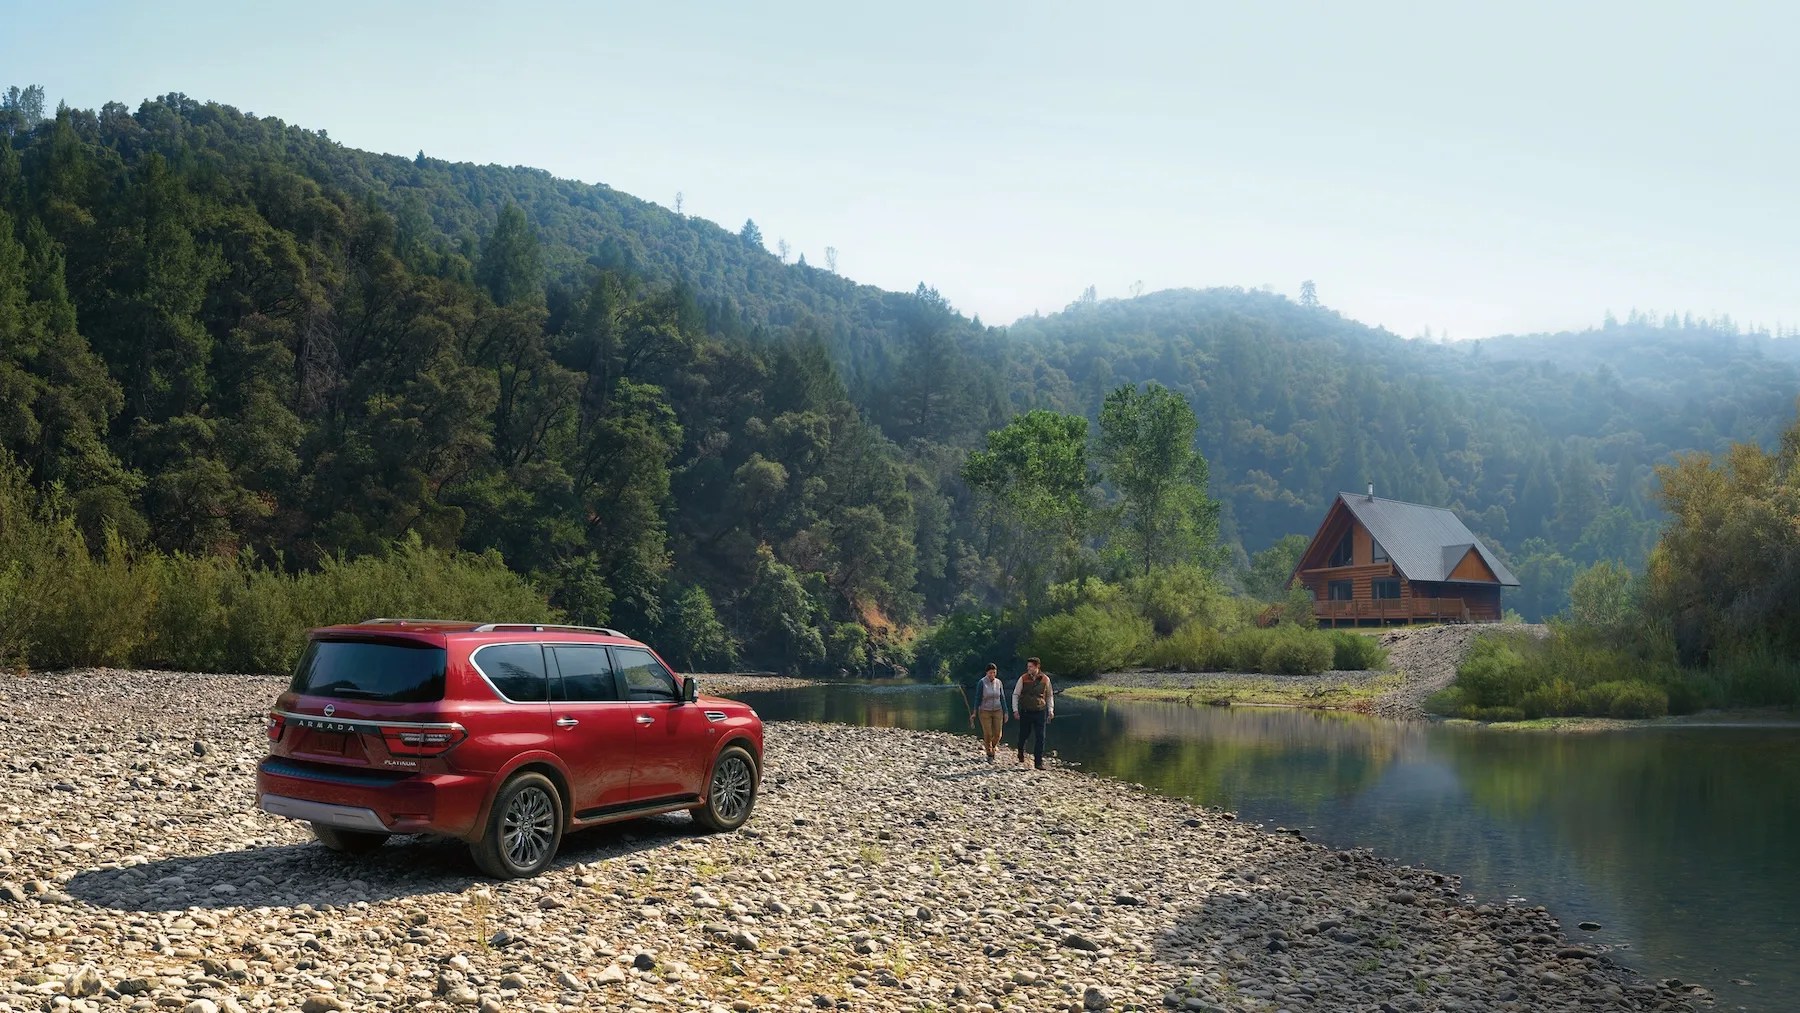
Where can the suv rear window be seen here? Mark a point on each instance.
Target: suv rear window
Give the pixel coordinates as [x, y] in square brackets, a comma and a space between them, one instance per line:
[392, 671]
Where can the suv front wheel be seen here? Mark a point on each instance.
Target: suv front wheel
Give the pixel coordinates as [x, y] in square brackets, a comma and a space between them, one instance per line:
[524, 829]
[731, 794]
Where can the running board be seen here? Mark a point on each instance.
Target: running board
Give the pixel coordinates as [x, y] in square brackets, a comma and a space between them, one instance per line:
[654, 807]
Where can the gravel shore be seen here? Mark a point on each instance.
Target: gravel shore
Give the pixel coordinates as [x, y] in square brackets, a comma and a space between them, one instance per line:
[883, 869]
[1421, 661]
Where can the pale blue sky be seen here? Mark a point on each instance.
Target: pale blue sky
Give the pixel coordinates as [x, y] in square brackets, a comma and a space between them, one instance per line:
[1469, 168]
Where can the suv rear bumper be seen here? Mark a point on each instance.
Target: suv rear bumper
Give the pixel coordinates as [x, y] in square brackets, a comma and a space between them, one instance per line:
[448, 804]
[344, 816]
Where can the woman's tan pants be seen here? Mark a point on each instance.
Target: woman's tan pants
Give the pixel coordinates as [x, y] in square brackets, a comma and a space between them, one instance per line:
[991, 723]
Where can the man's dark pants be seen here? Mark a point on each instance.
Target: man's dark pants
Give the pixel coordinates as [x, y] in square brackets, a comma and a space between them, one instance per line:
[1034, 724]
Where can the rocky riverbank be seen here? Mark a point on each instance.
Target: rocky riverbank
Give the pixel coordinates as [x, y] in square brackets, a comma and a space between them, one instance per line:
[883, 869]
[1421, 660]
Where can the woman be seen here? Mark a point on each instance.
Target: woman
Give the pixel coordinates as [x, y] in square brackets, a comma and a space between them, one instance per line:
[1034, 705]
[990, 708]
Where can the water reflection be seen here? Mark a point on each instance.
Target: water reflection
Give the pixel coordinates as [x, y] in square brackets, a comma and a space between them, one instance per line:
[1680, 841]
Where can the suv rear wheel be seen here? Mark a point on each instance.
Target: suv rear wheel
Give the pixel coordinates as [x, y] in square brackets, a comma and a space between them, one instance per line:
[348, 842]
[731, 794]
[524, 829]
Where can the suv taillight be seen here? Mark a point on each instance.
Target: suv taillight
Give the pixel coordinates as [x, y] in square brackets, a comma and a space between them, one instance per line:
[274, 725]
[422, 741]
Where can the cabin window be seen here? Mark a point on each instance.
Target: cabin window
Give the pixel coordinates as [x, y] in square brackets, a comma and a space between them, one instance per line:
[1377, 553]
[1338, 590]
[1342, 556]
[1428, 590]
[1386, 590]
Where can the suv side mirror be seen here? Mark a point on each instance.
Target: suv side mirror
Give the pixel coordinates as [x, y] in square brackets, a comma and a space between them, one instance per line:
[690, 689]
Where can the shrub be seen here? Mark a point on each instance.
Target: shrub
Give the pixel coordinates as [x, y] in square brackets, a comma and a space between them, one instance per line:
[1555, 699]
[1353, 652]
[1285, 650]
[1088, 640]
[1243, 651]
[1192, 648]
[1625, 699]
[1493, 674]
[1754, 677]
[97, 609]
[1295, 653]
[1175, 596]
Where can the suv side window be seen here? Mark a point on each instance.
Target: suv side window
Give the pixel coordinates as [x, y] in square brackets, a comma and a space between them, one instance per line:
[645, 678]
[587, 674]
[515, 670]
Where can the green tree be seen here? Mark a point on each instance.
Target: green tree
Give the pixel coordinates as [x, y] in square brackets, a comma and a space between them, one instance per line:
[1602, 598]
[750, 234]
[511, 268]
[1034, 479]
[1271, 568]
[692, 636]
[1147, 451]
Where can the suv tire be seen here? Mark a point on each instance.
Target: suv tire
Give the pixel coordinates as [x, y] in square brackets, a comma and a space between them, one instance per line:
[731, 792]
[348, 842]
[524, 829]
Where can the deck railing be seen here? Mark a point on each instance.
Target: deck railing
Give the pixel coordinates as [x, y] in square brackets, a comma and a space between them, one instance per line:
[1403, 609]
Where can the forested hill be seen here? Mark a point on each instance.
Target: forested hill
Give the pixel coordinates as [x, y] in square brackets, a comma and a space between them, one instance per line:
[1545, 443]
[224, 334]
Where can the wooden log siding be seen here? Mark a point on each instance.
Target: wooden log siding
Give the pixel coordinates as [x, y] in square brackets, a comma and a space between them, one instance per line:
[1362, 579]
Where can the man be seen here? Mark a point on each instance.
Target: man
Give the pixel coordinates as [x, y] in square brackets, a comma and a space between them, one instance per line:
[1033, 706]
[990, 708]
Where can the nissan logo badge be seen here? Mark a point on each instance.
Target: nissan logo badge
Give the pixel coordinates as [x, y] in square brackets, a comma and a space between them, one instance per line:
[330, 709]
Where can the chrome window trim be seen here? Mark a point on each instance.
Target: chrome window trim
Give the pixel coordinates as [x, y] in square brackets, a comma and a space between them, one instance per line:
[609, 660]
[676, 683]
[476, 665]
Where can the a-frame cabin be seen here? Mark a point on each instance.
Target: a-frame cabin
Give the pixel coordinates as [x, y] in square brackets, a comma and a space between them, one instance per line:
[1385, 561]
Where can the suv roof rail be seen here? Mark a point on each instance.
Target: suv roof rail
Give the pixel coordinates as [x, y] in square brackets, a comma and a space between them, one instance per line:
[542, 627]
[373, 622]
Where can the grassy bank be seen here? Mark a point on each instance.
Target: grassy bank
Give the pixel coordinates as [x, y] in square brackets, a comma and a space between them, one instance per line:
[1324, 693]
[1577, 672]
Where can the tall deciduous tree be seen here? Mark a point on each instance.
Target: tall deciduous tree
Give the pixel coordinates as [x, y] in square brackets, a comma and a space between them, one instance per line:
[1034, 477]
[1147, 452]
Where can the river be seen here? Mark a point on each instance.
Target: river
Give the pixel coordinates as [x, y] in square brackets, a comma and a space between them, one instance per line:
[1683, 842]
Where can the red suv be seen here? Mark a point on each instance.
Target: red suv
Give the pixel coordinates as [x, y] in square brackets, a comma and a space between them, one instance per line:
[506, 736]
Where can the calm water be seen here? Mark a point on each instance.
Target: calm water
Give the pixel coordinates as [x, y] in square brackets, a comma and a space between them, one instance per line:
[1684, 843]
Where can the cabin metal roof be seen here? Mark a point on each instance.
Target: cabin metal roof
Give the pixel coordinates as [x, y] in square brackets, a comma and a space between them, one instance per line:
[1425, 542]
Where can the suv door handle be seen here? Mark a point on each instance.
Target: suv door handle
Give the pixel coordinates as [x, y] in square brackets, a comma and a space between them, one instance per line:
[645, 719]
[566, 722]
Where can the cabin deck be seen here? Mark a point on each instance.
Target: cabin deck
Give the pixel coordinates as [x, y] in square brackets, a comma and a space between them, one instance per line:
[1392, 610]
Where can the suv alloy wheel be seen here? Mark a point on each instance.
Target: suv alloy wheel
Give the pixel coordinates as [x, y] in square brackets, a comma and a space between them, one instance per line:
[524, 829]
[731, 794]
